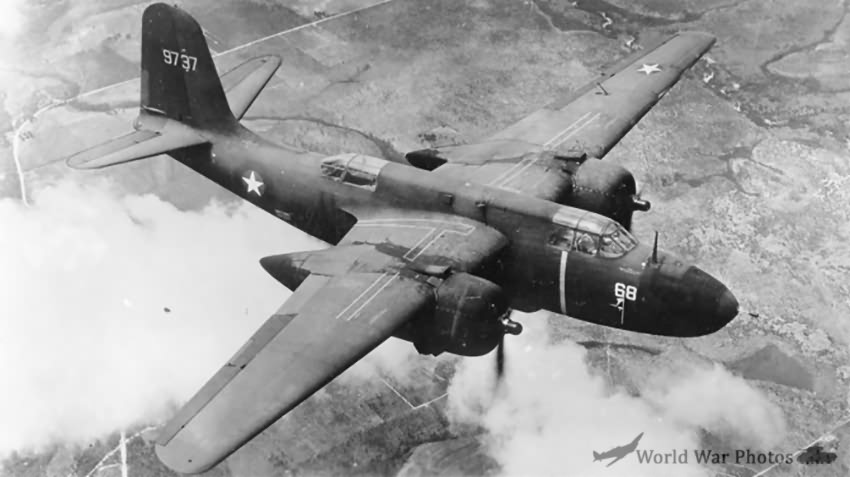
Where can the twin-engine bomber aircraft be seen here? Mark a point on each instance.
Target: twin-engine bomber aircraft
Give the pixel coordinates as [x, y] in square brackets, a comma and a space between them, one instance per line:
[436, 251]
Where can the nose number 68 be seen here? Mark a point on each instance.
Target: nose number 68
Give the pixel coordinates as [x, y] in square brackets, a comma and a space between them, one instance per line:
[628, 292]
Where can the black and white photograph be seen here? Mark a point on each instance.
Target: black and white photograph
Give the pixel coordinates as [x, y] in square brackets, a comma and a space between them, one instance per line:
[415, 238]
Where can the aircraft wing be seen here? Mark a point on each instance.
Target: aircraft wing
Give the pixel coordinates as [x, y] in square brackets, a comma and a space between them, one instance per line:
[589, 122]
[359, 293]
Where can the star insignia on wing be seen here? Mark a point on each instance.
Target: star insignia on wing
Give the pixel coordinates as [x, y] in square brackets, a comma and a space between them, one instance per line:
[254, 183]
[649, 69]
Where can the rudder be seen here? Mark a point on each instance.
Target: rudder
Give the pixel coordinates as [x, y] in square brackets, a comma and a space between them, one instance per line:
[179, 78]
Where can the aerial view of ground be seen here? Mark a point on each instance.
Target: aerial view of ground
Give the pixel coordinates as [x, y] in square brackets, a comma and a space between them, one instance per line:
[124, 289]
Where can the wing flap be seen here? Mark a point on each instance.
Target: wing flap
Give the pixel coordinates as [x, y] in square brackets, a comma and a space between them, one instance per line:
[299, 350]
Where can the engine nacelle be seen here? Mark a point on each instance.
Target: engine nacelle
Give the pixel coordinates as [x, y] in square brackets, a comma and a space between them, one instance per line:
[606, 189]
[467, 319]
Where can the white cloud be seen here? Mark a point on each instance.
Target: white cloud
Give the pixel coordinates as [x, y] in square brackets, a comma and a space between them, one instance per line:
[716, 400]
[85, 276]
[12, 19]
[552, 412]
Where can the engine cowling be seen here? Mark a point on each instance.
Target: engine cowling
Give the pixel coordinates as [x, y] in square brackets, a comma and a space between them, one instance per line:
[606, 189]
[466, 320]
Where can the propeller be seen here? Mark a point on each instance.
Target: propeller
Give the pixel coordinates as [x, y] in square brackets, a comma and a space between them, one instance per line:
[500, 360]
[637, 200]
[511, 327]
[638, 203]
[655, 249]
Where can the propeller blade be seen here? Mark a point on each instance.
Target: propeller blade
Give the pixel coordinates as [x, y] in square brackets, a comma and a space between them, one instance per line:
[500, 360]
[509, 326]
[655, 249]
[638, 203]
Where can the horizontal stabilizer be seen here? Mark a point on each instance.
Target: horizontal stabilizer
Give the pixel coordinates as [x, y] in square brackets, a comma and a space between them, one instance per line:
[243, 84]
[136, 145]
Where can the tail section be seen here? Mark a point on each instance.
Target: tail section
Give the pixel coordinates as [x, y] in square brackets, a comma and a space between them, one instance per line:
[179, 78]
[182, 95]
[596, 456]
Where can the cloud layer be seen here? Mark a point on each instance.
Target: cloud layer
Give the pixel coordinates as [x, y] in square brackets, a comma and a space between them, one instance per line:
[86, 276]
[552, 411]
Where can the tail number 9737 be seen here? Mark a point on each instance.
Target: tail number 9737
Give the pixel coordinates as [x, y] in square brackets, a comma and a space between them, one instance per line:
[175, 58]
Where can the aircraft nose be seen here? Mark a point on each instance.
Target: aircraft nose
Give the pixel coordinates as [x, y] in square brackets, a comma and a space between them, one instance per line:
[727, 307]
[715, 305]
[691, 302]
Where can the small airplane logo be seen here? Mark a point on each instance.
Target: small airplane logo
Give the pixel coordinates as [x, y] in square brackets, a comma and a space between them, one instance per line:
[618, 452]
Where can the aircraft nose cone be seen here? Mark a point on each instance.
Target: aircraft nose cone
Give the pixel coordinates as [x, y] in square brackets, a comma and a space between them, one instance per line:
[701, 302]
[715, 304]
[727, 308]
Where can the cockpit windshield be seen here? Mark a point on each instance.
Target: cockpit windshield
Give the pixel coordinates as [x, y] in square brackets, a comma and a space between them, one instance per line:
[355, 169]
[614, 241]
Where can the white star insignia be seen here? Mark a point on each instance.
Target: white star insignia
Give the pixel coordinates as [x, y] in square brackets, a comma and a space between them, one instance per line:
[649, 69]
[253, 184]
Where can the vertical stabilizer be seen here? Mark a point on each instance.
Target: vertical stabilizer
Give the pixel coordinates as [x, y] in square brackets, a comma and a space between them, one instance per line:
[179, 78]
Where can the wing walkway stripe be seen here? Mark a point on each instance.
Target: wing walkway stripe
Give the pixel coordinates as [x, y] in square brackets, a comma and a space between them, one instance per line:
[567, 129]
[362, 294]
[561, 138]
[509, 175]
[353, 315]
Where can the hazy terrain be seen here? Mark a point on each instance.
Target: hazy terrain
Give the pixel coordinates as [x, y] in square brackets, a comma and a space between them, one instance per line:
[124, 290]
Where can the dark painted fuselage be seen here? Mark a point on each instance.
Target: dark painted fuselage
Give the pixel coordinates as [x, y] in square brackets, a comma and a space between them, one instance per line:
[631, 291]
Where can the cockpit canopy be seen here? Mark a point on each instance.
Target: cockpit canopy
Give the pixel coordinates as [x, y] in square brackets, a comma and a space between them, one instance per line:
[354, 169]
[591, 234]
